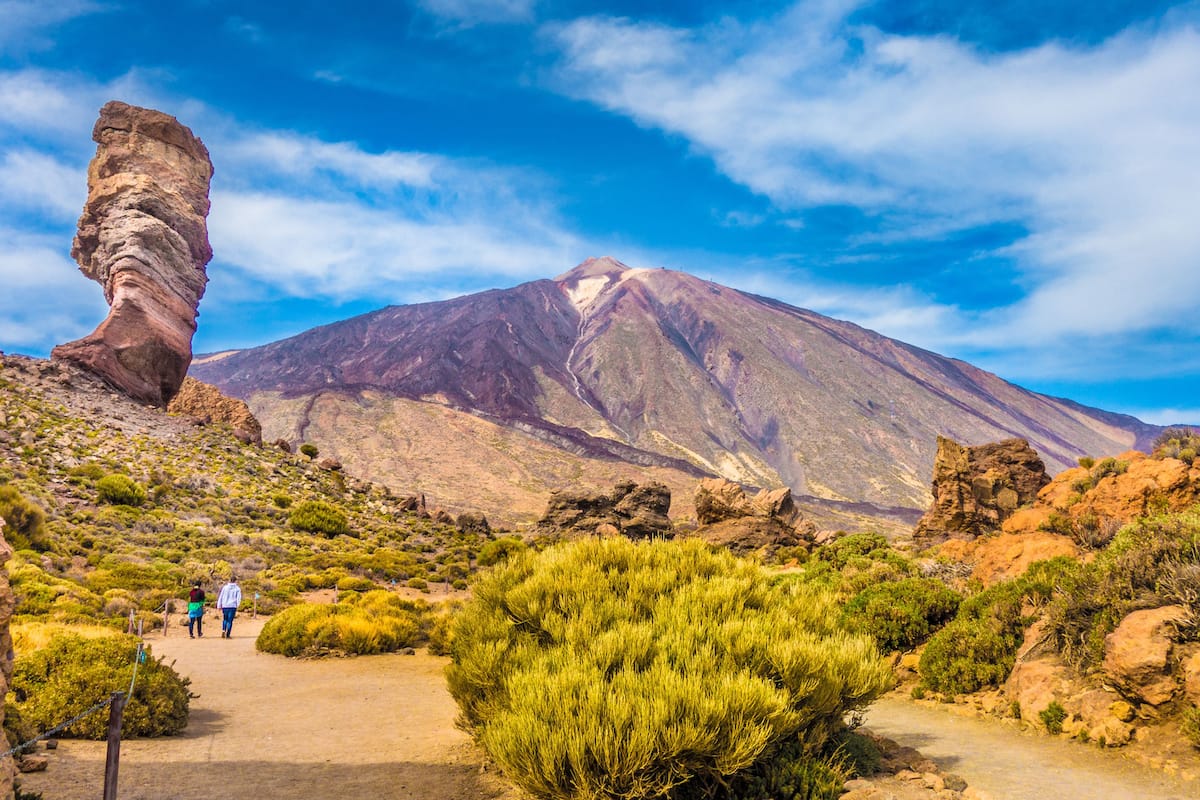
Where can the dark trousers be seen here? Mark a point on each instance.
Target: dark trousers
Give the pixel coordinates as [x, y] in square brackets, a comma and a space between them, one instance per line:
[197, 622]
[227, 621]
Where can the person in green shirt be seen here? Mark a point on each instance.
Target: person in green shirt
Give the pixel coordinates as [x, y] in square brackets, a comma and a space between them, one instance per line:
[196, 611]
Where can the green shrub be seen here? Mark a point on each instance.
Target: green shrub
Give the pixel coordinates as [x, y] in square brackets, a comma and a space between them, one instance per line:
[71, 673]
[353, 583]
[787, 774]
[497, 550]
[119, 490]
[901, 614]
[1109, 466]
[1179, 442]
[281, 500]
[317, 516]
[1190, 725]
[1087, 462]
[309, 450]
[24, 526]
[420, 584]
[978, 647]
[1149, 563]
[375, 622]
[1053, 716]
[607, 668]
[840, 551]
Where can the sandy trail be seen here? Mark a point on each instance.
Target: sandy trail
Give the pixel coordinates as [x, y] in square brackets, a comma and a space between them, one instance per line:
[1009, 765]
[266, 727]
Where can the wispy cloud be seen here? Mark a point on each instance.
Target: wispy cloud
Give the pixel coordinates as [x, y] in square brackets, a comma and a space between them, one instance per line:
[466, 13]
[1092, 150]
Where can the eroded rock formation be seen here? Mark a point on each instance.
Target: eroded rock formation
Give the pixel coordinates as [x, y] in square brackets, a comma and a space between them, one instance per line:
[638, 511]
[761, 524]
[976, 488]
[143, 236]
[204, 401]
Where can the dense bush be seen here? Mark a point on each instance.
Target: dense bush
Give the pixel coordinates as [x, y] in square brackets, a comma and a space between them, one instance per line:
[978, 648]
[1153, 562]
[71, 673]
[497, 550]
[119, 490]
[901, 614]
[604, 668]
[317, 516]
[375, 622]
[1053, 716]
[23, 521]
[309, 450]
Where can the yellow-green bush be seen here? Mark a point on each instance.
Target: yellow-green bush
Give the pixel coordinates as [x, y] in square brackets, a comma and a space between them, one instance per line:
[605, 668]
[901, 614]
[71, 673]
[317, 516]
[119, 490]
[374, 622]
[23, 521]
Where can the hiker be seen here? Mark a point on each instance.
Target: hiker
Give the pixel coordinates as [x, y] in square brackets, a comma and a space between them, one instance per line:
[196, 611]
[228, 601]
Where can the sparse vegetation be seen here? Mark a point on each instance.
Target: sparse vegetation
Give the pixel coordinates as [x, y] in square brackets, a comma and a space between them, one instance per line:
[1181, 443]
[604, 668]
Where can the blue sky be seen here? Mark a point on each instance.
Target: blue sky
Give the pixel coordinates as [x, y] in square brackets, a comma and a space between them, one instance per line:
[1013, 183]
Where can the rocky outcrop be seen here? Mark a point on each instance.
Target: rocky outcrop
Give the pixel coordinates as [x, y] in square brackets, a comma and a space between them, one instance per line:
[205, 402]
[143, 236]
[7, 604]
[976, 488]
[1137, 655]
[1109, 494]
[638, 511]
[998, 558]
[760, 524]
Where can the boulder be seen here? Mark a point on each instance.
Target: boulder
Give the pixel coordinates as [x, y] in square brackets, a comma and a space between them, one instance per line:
[997, 558]
[761, 524]
[1190, 670]
[638, 511]
[976, 488]
[472, 522]
[1137, 655]
[143, 236]
[206, 402]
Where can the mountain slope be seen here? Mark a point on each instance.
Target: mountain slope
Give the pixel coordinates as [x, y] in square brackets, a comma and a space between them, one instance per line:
[659, 368]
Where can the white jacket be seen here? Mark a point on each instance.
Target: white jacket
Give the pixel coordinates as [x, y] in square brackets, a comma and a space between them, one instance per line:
[230, 596]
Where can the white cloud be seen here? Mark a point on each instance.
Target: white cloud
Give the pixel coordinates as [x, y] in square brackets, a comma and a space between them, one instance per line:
[1094, 150]
[475, 12]
[37, 181]
[1170, 416]
[46, 301]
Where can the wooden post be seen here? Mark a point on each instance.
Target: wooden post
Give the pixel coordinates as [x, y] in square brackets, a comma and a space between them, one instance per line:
[166, 616]
[254, 613]
[113, 759]
[130, 621]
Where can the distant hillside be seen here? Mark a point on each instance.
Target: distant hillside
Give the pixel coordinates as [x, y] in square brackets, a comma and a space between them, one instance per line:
[493, 399]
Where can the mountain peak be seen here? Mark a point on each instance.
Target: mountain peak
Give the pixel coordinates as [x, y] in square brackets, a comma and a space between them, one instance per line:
[603, 267]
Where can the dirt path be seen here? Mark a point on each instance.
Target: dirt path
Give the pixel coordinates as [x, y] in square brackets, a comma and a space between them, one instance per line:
[1011, 766]
[270, 728]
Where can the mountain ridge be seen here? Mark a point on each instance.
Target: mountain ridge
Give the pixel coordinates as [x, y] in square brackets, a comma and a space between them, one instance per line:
[663, 368]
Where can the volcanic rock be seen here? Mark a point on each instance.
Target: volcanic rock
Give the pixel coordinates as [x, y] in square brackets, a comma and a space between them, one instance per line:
[976, 488]
[202, 400]
[638, 511]
[143, 237]
[1137, 654]
[762, 524]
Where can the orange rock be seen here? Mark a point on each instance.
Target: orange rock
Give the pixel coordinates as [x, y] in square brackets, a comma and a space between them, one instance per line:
[1007, 555]
[1137, 654]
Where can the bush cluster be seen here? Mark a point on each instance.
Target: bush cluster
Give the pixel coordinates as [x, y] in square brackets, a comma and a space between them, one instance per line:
[1181, 443]
[607, 668]
[71, 673]
[375, 622]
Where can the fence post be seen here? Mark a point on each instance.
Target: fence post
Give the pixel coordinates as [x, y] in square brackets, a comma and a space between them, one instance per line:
[113, 758]
[166, 616]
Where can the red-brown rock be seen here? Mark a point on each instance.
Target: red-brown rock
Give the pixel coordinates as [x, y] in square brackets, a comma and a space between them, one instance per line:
[204, 401]
[143, 236]
[976, 488]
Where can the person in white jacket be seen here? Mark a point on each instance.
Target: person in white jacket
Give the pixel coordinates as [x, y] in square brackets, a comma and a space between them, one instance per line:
[228, 601]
